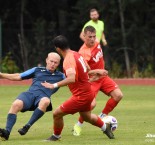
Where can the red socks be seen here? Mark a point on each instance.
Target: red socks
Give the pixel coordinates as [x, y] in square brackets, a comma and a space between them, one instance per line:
[99, 123]
[110, 105]
[57, 131]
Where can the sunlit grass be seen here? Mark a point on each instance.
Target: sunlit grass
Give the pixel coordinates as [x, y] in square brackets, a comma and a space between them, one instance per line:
[135, 115]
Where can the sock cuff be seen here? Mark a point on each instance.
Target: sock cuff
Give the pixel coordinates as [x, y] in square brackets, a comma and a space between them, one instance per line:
[39, 111]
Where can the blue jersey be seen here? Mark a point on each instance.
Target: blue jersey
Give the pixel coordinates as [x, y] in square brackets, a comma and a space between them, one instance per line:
[39, 75]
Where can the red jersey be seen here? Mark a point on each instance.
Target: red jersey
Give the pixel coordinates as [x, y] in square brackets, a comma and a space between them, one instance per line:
[93, 56]
[74, 62]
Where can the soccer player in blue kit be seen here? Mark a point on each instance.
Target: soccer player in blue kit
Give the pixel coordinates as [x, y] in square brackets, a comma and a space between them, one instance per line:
[37, 98]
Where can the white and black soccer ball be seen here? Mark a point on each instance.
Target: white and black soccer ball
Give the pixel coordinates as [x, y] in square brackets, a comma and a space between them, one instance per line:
[112, 121]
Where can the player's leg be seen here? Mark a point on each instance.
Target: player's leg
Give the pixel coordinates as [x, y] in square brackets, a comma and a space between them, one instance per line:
[70, 106]
[77, 129]
[17, 106]
[96, 121]
[110, 88]
[116, 96]
[58, 124]
[37, 114]
[78, 126]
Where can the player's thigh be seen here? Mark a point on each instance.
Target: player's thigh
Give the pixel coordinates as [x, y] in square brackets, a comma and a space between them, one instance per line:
[85, 115]
[28, 100]
[69, 106]
[58, 113]
[108, 85]
[16, 106]
[73, 105]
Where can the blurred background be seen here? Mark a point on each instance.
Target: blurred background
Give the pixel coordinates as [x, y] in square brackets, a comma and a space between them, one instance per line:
[27, 28]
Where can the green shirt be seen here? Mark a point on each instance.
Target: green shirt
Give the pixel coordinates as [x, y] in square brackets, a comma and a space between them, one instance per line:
[99, 26]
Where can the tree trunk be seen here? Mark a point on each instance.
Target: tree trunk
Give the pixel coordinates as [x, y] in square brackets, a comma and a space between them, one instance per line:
[24, 52]
[127, 61]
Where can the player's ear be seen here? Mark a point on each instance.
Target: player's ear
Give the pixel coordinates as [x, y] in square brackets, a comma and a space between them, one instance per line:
[58, 50]
[84, 35]
[46, 60]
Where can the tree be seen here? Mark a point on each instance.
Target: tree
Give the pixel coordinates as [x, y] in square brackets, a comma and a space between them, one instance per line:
[127, 61]
[21, 36]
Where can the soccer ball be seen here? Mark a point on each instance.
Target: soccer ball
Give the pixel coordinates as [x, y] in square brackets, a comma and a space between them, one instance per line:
[111, 120]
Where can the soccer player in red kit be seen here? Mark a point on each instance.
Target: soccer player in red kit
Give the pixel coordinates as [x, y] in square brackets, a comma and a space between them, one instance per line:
[92, 53]
[82, 95]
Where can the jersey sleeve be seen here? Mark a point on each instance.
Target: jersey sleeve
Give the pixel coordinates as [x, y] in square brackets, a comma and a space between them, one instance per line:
[69, 64]
[85, 53]
[28, 74]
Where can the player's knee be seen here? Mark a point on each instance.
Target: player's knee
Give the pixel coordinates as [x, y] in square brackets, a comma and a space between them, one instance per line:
[45, 101]
[55, 115]
[119, 96]
[17, 106]
[93, 105]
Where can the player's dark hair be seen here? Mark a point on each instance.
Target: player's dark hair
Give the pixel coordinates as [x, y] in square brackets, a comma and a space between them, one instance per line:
[90, 29]
[61, 42]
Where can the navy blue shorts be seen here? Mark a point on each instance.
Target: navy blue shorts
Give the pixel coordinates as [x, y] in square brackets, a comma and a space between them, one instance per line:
[31, 101]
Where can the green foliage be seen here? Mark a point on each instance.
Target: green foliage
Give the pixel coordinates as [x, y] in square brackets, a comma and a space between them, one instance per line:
[8, 65]
[39, 41]
[43, 20]
[115, 71]
[148, 72]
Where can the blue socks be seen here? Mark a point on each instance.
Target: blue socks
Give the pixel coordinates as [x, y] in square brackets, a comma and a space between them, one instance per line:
[11, 120]
[35, 116]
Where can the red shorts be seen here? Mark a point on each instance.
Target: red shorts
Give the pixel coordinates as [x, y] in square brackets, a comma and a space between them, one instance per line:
[75, 104]
[105, 85]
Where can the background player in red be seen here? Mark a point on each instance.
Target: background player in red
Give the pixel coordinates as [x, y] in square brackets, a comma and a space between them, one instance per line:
[92, 53]
[82, 95]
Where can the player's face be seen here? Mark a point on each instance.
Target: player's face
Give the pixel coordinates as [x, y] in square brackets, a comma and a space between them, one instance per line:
[52, 63]
[90, 38]
[94, 16]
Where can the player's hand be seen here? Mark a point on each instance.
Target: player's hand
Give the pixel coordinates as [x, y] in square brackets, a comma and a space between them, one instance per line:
[104, 42]
[47, 85]
[97, 74]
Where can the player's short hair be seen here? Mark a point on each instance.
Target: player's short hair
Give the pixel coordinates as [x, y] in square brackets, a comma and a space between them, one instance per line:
[90, 29]
[61, 42]
[93, 10]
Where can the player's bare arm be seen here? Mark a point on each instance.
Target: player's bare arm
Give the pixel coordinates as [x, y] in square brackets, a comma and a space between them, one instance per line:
[13, 77]
[97, 74]
[104, 41]
[82, 36]
[69, 79]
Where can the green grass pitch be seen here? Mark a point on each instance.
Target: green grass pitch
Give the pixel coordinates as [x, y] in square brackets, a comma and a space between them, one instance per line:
[135, 115]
